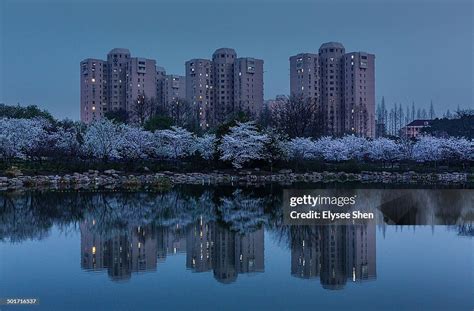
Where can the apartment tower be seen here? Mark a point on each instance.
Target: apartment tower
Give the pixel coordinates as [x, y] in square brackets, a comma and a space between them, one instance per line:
[343, 86]
[199, 88]
[114, 84]
[224, 86]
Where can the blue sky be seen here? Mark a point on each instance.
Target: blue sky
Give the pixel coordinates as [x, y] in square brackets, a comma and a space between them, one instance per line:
[424, 49]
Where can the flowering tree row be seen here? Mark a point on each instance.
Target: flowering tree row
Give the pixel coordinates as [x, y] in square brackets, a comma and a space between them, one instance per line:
[244, 142]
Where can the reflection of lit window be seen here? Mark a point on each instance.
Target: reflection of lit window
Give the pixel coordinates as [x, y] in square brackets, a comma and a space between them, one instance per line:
[93, 250]
[93, 80]
[93, 107]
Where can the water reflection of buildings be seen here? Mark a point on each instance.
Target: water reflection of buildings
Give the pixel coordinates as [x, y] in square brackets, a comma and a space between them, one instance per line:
[209, 246]
[227, 253]
[120, 253]
[333, 253]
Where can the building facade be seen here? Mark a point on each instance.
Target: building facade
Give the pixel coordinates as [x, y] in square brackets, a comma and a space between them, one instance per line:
[224, 86]
[199, 88]
[115, 84]
[248, 86]
[141, 86]
[342, 85]
[94, 91]
[305, 76]
[174, 89]
[414, 128]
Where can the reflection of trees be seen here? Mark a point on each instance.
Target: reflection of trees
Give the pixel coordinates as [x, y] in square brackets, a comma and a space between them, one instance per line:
[31, 215]
[242, 212]
[221, 230]
[466, 229]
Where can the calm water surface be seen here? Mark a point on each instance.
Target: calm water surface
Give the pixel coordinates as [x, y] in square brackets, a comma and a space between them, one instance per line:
[196, 248]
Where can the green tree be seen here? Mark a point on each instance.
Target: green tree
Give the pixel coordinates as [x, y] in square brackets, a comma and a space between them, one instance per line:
[119, 116]
[28, 112]
[158, 123]
[460, 126]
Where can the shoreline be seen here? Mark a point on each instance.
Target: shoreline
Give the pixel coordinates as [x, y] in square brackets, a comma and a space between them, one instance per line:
[112, 179]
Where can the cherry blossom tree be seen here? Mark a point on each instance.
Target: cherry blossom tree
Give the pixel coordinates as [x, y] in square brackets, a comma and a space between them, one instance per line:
[336, 150]
[384, 149]
[205, 146]
[458, 149]
[102, 140]
[428, 148]
[242, 144]
[355, 147]
[135, 143]
[67, 143]
[174, 143]
[301, 148]
[19, 137]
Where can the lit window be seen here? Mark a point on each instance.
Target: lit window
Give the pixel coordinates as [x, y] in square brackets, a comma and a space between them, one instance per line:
[93, 80]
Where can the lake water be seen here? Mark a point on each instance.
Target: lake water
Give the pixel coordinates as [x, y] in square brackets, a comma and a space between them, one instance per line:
[198, 248]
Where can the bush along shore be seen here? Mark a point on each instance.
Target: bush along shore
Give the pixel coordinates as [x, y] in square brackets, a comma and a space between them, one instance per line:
[112, 179]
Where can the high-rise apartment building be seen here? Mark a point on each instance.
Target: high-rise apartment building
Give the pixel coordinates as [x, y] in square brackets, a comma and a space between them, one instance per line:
[141, 85]
[248, 86]
[223, 66]
[160, 85]
[224, 85]
[343, 86]
[174, 89]
[305, 79]
[94, 92]
[359, 93]
[117, 60]
[199, 88]
[115, 84]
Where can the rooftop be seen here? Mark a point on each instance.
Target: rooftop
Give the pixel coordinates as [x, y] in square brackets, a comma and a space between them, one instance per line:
[119, 51]
[419, 123]
[225, 51]
[335, 45]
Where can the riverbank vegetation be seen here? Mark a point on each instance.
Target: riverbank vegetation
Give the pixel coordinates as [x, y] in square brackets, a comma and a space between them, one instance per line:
[38, 144]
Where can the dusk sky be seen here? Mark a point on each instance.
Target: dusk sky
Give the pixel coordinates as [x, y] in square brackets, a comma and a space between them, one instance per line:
[424, 49]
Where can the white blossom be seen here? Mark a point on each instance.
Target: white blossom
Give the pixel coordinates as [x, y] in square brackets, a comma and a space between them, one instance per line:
[205, 146]
[428, 148]
[103, 139]
[301, 148]
[19, 137]
[135, 142]
[174, 143]
[384, 149]
[242, 144]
